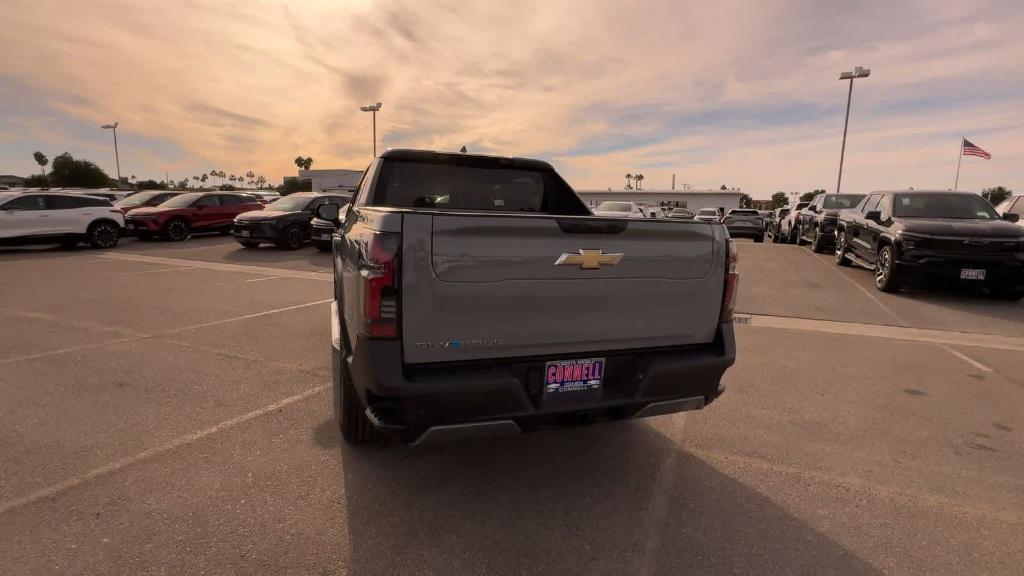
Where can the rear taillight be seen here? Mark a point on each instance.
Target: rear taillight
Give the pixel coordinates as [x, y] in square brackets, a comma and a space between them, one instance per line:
[732, 279]
[378, 268]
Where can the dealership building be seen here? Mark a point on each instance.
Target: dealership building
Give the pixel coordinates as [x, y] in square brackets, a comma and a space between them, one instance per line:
[691, 199]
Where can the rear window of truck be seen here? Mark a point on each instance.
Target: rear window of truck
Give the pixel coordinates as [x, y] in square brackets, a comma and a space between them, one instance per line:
[430, 185]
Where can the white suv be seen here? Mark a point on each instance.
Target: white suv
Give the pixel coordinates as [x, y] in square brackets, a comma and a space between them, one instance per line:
[56, 218]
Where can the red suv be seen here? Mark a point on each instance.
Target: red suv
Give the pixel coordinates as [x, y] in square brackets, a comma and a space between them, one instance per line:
[193, 212]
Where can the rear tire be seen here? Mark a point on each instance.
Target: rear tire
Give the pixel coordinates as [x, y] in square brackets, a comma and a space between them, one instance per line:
[886, 278]
[176, 230]
[800, 237]
[355, 427]
[103, 235]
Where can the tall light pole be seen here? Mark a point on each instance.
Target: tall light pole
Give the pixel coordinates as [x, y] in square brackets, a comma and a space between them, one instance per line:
[858, 72]
[373, 108]
[117, 159]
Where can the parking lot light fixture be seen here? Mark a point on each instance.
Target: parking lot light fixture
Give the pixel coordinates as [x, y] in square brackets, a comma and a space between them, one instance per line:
[374, 108]
[858, 72]
[117, 159]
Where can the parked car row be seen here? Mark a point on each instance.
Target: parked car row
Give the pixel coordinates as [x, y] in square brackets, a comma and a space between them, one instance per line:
[70, 218]
[916, 236]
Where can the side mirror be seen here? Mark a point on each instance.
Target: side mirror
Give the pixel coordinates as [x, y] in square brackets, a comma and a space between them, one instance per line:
[328, 212]
[873, 215]
[1011, 217]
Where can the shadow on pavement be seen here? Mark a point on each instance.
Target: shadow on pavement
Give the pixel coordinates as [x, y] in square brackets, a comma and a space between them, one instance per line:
[616, 499]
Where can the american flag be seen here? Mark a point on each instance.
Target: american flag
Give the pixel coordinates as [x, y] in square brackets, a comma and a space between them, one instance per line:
[970, 149]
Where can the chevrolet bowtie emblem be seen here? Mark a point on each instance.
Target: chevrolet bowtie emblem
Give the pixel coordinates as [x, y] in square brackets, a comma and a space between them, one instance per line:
[588, 259]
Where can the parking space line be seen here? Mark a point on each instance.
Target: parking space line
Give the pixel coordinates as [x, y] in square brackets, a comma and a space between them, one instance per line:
[863, 290]
[965, 358]
[941, 337]
[152, 271]
[166, 332]
[116, 465]
[262, 270]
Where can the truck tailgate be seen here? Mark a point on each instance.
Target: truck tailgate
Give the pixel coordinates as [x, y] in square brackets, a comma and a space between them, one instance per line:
[488, 286]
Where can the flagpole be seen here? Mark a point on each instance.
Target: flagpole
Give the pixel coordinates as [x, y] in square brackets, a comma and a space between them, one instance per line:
[959, 159]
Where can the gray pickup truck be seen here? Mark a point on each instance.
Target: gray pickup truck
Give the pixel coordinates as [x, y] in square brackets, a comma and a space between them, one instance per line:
[477, 295]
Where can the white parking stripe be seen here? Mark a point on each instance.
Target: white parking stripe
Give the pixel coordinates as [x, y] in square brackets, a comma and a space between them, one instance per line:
[263, 270]
[153, 271]
[246, 317]
[965, 358]
[883, 331]
[70, 483]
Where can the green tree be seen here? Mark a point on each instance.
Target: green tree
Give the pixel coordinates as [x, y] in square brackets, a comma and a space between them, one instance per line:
[42, 160]
[203, 178]
[629, 181]
[997, 194]
[808, 196]
[639, 181]
[300, 162]
[745, 200]
[307, 163]
[36, 181]
[778, 200]
[724, 187]
[70, 173]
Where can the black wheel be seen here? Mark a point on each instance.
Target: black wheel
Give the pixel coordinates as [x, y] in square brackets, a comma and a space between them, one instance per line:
[759, 239]
[817, 246]
[841, 258]
[355, 427]
[176, 230]
[800, 237]
[292, 238]
[103, 235]
[886, 278]
[249, 243]
[1005, 293]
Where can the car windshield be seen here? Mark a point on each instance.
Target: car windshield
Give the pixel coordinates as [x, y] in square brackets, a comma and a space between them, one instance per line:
[182, 201]
[138, 199]
[942, 205]
[290, 203]
[614, 207]
[841, 201]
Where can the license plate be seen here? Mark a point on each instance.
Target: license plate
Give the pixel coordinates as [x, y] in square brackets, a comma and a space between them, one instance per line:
[325, 236]
[573, 375]
[972, 274]
[244, 233]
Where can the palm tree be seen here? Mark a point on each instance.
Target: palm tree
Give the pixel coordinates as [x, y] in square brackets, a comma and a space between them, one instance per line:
[196, 179]
[300, 161]
[307, 163]
[203, 179]
[42, 160]
[221, 175]
[629, 180]
[213, 173]
[639, 181]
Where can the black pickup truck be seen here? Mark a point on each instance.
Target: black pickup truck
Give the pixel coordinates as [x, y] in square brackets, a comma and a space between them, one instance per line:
[933, 236]
[478, 295]
[816, 223]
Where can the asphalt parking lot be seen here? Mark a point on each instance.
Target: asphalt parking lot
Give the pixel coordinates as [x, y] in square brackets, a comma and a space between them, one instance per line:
[165, 409]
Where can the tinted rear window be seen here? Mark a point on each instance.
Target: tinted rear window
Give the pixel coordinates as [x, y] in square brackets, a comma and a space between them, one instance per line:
[411, 184]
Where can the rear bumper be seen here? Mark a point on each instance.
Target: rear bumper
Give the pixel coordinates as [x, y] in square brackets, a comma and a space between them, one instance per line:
[317, 235]
[500, 396]
[745, 232]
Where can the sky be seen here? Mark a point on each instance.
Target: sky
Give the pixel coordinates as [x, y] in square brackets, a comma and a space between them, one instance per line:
[744, 94]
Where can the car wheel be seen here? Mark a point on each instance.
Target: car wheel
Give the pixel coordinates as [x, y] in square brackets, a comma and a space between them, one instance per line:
[841, 258]
[816, 244]
[176, 230]
[355, 427]
[103, 235]
[886, 278]
[249, 243]
[292, 238]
